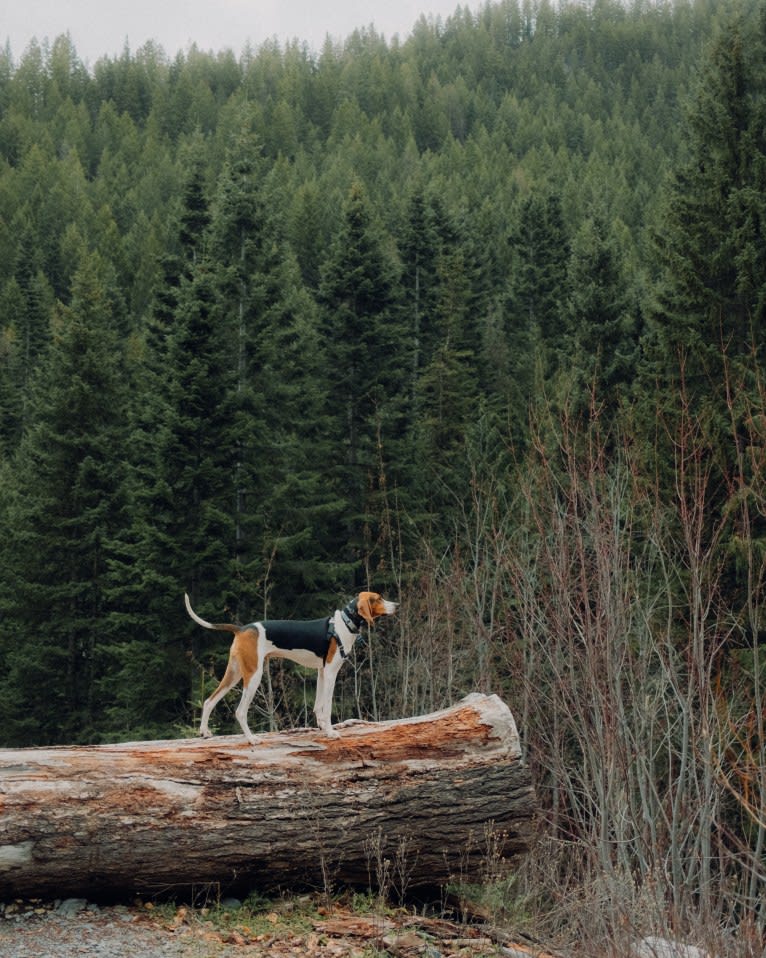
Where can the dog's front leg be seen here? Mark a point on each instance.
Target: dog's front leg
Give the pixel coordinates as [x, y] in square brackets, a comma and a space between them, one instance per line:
[319, 703]
[323, 707]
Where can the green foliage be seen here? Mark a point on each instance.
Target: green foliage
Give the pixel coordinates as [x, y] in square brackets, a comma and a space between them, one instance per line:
[66, 497]
[267, 325]
[711, 246]
[367, 355]
[601, 315]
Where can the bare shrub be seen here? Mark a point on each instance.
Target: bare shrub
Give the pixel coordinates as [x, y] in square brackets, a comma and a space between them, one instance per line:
[620, 616]
[639, 744]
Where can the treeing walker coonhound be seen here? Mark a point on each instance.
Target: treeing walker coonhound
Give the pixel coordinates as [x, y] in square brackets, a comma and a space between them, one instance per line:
[321, 644]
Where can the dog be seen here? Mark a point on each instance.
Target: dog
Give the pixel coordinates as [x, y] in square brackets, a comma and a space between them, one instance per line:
[321, 644]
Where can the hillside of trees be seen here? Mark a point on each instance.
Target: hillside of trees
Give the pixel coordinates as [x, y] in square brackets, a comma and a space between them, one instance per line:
[475, 319]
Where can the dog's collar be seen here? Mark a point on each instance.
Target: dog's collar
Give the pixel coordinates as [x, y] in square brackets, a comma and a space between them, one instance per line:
[351, 618]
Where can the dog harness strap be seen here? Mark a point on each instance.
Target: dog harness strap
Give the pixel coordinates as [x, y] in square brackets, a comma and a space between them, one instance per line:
[332, 634]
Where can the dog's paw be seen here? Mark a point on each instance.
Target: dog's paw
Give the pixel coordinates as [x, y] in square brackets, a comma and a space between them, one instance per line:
[331, 733]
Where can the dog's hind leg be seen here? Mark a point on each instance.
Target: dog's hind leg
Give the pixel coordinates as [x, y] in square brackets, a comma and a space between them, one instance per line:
[229, 680]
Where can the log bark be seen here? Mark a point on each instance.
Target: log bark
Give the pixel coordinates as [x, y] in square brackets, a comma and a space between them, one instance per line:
[420, 802]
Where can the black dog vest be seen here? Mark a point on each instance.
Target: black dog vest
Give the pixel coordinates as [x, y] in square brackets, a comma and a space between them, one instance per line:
[311, 634]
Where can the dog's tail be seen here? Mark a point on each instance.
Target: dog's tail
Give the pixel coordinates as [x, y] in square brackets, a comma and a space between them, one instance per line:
[224, 627]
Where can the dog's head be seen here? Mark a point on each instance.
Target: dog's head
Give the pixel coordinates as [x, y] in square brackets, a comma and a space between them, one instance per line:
[371, 606]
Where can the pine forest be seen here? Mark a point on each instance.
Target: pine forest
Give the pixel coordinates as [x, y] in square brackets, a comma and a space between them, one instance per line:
[474, 318]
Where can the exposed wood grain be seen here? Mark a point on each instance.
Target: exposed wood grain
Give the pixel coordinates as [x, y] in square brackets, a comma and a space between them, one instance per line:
[296, 808]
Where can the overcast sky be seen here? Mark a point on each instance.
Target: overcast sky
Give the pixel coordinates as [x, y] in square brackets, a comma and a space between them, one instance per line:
[102, 27]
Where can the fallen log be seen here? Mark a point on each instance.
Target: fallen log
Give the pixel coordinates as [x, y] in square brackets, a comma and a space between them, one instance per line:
[412, 802]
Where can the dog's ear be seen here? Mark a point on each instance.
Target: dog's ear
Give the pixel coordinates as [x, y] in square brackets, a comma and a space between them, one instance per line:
[363, 606]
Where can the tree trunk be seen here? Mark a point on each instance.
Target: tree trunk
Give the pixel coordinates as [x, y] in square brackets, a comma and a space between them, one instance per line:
[409, 803]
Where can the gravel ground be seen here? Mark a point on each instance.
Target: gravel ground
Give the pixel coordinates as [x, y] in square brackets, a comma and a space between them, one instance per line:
[78, 930]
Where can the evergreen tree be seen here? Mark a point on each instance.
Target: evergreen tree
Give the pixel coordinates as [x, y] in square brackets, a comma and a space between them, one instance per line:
[302, 505]
[538, 287]
[66, 506]
[602, 321]
[295, 502]
[711, 246]
[420, 248]
[152, 687]
[706, 341]
[12, 368]
[285, 497]
[307, 231]
[182, 537]
[192, 221]
[448, 391]
[195, 214]
[231, 495]
[258, 283]
[367, 372]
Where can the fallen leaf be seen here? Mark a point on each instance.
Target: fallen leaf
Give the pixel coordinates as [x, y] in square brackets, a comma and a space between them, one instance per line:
[405, 944]
[357, 927]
